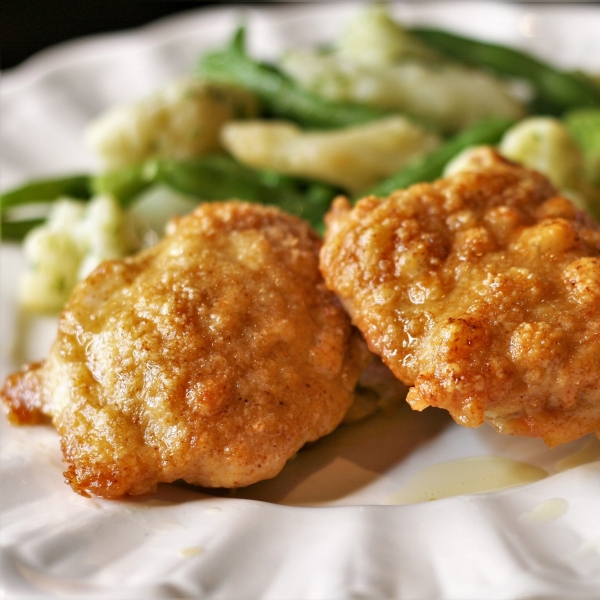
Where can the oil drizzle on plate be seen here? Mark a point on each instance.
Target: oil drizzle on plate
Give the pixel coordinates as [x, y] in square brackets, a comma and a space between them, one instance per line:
[466, 476]
[190, 551]
[547, 511]
[586, 454]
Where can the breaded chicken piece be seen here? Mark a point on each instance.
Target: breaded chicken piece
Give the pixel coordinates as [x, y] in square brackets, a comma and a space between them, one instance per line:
[483, 291]
[211, 357]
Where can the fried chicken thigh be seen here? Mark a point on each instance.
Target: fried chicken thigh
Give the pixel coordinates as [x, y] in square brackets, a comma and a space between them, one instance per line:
[211, 357]
[482, 290]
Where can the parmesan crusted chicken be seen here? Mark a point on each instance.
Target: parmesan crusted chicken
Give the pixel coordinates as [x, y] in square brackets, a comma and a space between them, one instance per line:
[211, 357]
[482, 291]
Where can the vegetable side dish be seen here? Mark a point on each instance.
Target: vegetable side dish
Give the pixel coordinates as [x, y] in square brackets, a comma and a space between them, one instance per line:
[214, 352]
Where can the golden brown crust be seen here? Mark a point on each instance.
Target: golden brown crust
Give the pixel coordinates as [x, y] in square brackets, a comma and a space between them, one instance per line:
[211, 357]
[24, 396]
[483, 291]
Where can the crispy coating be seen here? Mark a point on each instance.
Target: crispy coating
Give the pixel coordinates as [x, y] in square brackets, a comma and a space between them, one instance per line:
[211, 357]
[483, 291]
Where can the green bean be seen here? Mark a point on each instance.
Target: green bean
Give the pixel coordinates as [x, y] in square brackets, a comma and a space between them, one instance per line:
[215, 177]
[488, 131]
[125, 183]
[584, 125]
[47, 190]
[15, 231]
[38, 192]
[280, 96]
[556, 91]
[219, 177]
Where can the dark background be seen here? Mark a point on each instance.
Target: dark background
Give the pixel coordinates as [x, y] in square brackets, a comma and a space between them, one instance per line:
[27, 26]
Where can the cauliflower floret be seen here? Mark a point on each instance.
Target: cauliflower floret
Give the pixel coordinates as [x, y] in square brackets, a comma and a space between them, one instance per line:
[463, 161]
[73, 241]
[545, 144]
[152, 210]
[354, 158]
[181, 121]
[377, 62]
[445, 94]
[53, 265]
[375, 38]
[100, 234]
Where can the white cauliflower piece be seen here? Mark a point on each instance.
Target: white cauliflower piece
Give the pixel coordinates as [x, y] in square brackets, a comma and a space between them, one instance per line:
[73, 241]
[447, 95]
[375, 38]
[153, 209]
[52, 273]
[354, 158]
[181, 121]
[462, 161]
[545, 144]
[100, 234]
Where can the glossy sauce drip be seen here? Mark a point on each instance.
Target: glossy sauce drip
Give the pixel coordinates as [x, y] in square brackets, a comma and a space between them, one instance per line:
[586, 454]
[190, 551]
[547, 511]
[466, 476]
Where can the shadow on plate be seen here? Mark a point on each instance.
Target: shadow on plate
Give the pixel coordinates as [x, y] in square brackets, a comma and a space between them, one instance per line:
[341, 464]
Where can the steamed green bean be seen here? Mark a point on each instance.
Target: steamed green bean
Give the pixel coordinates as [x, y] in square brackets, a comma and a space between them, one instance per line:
[279, 95]
[556, 90]
[38, 192]
[584, 125]
[47, 190]
[432, 166]
[15, 231]
[219, 177]
[210, 178]
[125, 183]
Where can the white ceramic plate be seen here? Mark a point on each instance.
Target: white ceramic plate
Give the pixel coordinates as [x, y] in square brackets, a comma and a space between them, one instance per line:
[324, 528]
